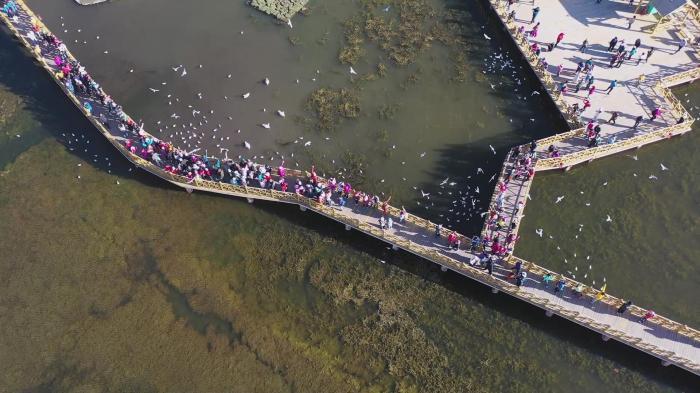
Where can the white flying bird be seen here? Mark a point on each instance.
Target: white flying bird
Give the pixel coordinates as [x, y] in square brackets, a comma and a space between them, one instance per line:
[267, 82]
[265, 125]
[540, 232]
[663, 167]
[153, 90]
[487, 37]
[184, 72]
[608, 219]
[281, 113]
[559, 199]
[479, 170]
[176, 69]
[492, 149]
[289, 22]
[246, 145]
[308, 143]
[352, 71]
[246, 95]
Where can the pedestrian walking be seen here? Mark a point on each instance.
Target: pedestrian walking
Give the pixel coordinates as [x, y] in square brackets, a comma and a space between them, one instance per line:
[489, 266]
[584, 46]
[681, 45]
[613, 118]
[630, 21]
[547, 279]
[637, 43]
[612, 85]
[598, 112]
[560, 67]
[438, 228]
[516, 269]
[590, 82]
[613, 43]
[511, 16]
[621, 310]
[641, 79]
[578, 86]
[641, 57]
[598, 296]
[591, 90]
[633, 52]
[520, 278]
[559, 288]
[637, 121]
[647, 316]
[620, 60]
[649, 53]
[613, 60]
[621, 48]
[655, 113]
[560, 37]
[535, 12]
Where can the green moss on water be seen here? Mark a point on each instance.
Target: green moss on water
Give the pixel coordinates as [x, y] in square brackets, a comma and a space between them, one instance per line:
[331, 106]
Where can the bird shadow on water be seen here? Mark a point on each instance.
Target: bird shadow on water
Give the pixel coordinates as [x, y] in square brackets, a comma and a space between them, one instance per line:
[50, 107]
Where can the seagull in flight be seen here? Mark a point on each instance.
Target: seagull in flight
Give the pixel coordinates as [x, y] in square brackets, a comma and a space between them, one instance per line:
[265, 125]
[559, 199]
[246, 145]
[487, 37]
[308, 143]
[425, 194]
[479, 170]
[153, 90]
[176, 69]
[281, 113]
[540, 232]
[352, 71]
[608, 219]
[663, 167]
[492, 149]
[246, 95]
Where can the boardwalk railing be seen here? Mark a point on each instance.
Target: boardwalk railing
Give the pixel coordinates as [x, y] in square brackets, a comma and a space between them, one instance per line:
[428, 253]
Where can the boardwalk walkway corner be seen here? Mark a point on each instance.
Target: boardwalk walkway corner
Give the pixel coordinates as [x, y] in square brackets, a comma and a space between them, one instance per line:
[671, 341]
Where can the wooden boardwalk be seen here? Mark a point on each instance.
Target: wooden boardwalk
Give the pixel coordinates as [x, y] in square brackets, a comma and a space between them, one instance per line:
[670, 341]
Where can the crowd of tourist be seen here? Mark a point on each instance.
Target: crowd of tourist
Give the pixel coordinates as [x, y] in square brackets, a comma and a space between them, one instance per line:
[620, 53]
[496, 244]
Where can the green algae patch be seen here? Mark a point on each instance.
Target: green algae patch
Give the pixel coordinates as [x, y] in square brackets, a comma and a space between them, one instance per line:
[332, 106]
[280, 9]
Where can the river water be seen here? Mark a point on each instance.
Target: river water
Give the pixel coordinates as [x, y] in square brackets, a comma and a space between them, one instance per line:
[114, 281]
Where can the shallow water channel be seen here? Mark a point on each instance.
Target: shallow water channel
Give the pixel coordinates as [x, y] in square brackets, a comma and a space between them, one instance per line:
[112, 281]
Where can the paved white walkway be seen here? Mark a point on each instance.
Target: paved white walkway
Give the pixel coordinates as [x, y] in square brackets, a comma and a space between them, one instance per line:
[581, 20]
